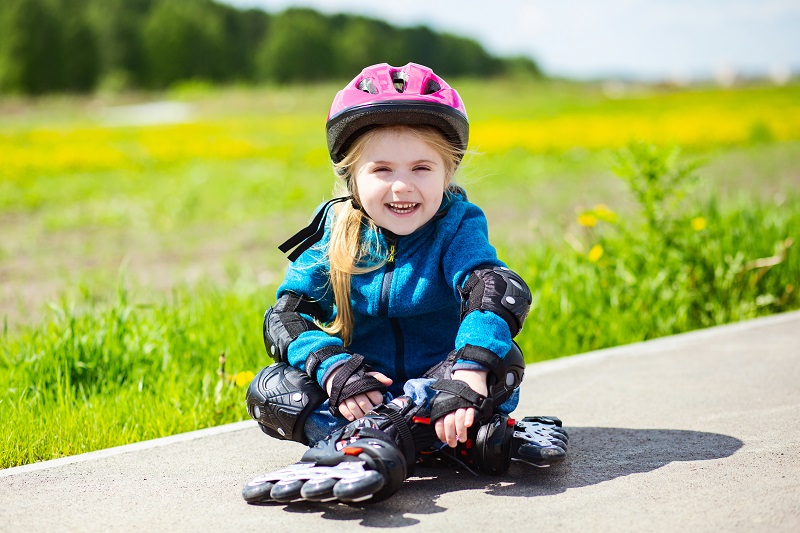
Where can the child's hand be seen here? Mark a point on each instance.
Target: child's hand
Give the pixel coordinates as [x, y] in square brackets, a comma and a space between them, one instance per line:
[357, 406]
[452, 428]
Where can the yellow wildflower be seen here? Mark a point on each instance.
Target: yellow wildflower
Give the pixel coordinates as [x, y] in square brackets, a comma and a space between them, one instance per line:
[595, 253]
[243, 379]
[604, 213]
[587, 220]
[699, 223]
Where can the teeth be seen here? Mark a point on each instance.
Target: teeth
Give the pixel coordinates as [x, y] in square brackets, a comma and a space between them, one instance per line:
[402, 208]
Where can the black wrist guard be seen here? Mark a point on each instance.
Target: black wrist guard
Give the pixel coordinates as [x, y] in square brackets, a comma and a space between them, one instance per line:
[454, 394]
[352, 379]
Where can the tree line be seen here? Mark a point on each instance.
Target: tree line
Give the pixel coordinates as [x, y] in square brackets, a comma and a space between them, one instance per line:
[78, 45]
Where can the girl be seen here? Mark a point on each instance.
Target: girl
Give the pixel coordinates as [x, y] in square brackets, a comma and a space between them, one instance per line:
[393, 326]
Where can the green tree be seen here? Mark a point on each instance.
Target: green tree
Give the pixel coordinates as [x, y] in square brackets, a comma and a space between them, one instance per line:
[29, 37]
[521, 66]
[459, 56]
[183, 39]
[255, 24]
[419, 44]
[243, 33]
[361, 41]
[298, 47]
[77, 48]
[71, 45]
[117, 26]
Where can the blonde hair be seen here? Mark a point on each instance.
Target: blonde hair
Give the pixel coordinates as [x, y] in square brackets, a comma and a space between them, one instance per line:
[347, 254]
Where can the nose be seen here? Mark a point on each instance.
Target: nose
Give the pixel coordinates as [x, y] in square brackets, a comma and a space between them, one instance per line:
[403, 182]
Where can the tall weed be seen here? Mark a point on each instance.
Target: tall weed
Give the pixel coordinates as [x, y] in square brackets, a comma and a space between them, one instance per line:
[677, 264]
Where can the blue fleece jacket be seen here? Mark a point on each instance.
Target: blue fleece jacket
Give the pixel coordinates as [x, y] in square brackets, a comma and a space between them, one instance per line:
[406, 313]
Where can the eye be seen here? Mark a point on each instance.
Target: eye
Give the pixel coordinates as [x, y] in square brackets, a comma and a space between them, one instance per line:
[381, 169]
[421, 167]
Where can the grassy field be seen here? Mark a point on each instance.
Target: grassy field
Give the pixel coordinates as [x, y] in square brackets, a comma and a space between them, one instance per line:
[136, 261]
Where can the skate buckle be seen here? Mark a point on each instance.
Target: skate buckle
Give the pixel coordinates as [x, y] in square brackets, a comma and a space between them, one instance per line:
[352, 450]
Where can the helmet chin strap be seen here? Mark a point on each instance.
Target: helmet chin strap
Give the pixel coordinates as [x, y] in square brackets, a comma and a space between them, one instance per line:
[311, 234]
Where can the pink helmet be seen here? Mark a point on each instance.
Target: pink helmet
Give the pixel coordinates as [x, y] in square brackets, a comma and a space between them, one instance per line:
[386, 95]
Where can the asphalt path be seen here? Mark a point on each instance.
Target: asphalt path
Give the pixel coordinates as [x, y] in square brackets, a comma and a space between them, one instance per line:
[698, 432]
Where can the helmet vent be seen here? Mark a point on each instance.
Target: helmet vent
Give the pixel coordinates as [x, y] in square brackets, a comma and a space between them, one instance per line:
[431, 87]
[367, 86]
[400, 81]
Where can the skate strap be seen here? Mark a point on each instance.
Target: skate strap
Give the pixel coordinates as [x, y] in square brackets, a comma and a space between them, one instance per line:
[352, 379]
[315, 358]
[292, 302]
[480, 355]
[454, 394]
[403, 431]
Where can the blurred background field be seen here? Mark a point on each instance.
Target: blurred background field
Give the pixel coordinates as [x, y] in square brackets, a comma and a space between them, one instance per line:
[86, 196]
[140, 230]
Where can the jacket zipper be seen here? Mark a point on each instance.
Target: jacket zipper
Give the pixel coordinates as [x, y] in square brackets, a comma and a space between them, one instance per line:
[383, 310]
[386, 284]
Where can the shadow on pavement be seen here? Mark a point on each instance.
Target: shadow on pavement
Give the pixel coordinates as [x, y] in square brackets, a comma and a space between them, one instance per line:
[596, 454]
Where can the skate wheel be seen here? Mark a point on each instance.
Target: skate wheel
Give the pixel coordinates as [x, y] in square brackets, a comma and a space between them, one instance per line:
[359, 488]
[287, 490]
[257, 493]
[319, 490]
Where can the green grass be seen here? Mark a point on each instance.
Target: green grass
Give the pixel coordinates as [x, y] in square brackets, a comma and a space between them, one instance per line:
[125, 282]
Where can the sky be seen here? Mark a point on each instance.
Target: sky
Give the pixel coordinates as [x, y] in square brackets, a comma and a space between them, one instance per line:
[650, 39]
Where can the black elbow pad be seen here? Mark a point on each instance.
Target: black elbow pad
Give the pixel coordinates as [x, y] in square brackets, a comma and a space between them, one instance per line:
[499, 290]
[283, 323]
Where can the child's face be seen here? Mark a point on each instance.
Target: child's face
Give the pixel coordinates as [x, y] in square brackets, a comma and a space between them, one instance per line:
[400, 180]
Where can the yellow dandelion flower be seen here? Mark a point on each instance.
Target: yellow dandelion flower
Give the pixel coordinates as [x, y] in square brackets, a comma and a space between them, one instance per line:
[699, 223]
[587, 220]
[243, 379]
[595, 253]
[604, 213]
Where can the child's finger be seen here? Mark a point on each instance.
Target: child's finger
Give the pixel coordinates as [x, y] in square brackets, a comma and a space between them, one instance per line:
[461, 430]
[355, 411]
[375, 397]
[383, 378]
[440, 430]
[345, 412]
[469, 418]
[364, 403]
[450, 430]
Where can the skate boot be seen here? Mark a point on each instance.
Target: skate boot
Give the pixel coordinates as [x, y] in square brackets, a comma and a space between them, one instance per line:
[366, 460]
[490, 447]
[539, 441]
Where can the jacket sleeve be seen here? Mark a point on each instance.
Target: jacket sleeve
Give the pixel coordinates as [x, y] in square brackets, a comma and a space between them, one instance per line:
[314, 350]
[468, 250]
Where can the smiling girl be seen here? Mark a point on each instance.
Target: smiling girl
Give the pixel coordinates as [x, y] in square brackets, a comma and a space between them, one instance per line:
[393, 326]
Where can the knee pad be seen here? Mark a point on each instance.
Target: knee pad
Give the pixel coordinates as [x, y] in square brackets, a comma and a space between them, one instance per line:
[280, 398]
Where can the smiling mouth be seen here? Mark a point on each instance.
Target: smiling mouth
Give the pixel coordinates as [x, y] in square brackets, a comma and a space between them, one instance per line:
[402, 208]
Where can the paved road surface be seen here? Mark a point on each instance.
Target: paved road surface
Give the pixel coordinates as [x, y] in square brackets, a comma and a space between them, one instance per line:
[696, 432]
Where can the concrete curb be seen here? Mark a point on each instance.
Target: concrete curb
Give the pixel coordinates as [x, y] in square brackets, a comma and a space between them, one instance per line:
[128, 448]
[661, 344]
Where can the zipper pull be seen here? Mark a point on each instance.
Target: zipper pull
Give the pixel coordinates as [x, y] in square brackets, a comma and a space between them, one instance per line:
[392, 250]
